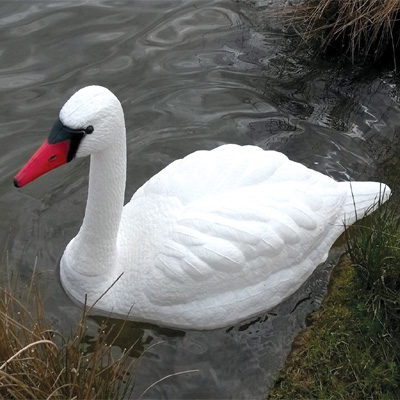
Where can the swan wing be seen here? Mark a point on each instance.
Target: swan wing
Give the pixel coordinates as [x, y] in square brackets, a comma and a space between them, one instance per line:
[230, 237]
[231, 242]
[248, 216]
[247, 232]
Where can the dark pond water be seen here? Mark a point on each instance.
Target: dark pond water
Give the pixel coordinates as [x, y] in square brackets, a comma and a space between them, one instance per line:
[191, 74]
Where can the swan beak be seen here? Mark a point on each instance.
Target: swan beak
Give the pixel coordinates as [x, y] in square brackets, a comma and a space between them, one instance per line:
[46, 158]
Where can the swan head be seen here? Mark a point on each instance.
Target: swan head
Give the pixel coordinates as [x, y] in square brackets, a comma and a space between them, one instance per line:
[97, 112]
[89, 122]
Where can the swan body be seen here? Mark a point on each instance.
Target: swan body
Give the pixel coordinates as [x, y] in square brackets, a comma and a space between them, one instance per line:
[212, 239]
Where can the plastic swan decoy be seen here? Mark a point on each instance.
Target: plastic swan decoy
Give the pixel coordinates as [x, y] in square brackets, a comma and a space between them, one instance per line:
[212, 239]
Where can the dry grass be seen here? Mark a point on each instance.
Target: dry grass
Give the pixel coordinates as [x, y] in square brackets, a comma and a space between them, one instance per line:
[38, 363]
[358, 28]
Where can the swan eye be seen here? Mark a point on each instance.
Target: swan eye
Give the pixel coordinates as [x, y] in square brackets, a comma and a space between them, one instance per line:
[89, 129]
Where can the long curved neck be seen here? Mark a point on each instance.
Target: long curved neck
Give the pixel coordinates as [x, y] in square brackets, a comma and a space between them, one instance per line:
[95, 246]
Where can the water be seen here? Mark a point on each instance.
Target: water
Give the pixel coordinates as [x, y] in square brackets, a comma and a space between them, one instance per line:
[191, 75]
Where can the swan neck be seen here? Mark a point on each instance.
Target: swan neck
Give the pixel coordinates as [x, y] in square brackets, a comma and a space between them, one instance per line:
[95, 246]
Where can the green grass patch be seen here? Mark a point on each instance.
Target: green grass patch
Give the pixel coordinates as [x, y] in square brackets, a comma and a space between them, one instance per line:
[351, 347]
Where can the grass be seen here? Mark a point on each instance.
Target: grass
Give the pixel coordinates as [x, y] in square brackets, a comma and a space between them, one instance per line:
[375, 252]
[361, 29]
[37, 362]
[351, 348]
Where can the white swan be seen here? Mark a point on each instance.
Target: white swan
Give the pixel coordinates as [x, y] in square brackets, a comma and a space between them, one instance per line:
[212, 239]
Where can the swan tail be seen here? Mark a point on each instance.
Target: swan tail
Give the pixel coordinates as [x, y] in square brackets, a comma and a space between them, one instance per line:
[363, 198]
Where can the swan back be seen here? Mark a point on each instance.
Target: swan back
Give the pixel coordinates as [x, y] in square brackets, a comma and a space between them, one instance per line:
[227, 168]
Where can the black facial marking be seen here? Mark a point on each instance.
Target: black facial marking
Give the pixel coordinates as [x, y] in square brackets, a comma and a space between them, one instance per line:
[60, 133]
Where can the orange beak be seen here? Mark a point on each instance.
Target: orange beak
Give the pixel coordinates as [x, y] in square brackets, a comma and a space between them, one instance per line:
[47, 157]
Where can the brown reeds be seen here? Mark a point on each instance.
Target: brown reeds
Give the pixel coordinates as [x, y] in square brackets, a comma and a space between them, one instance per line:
[358, 28]
[37, 362]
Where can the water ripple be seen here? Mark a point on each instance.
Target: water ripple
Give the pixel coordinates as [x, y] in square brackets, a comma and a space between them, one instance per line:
[191, 75]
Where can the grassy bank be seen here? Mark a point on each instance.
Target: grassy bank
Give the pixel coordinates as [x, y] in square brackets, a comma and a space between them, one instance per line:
[357, 28]
[351, 348]
[37, 362]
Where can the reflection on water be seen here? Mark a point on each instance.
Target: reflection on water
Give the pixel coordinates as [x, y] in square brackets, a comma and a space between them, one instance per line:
[191, 74]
